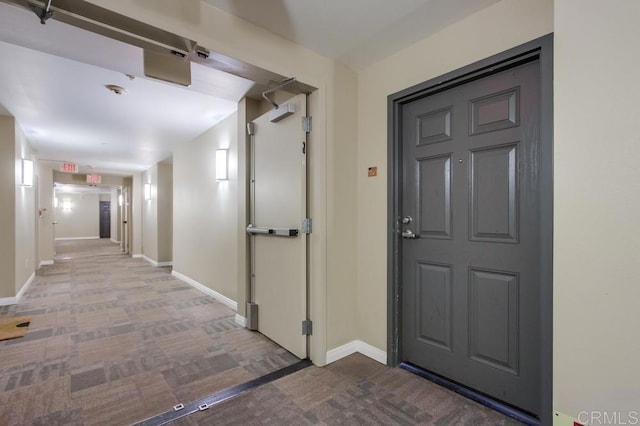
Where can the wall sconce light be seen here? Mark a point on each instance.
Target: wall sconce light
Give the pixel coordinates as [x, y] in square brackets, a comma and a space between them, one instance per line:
[147, 191]
[66, 205]
[55, 202]
[221, 164]
[27, 173]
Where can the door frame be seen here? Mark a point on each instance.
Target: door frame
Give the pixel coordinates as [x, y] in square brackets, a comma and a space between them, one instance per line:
[542, 50]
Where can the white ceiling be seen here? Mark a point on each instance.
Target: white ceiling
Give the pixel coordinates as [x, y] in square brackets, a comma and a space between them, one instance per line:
[355, 32]
[52, 76]
[52, 80]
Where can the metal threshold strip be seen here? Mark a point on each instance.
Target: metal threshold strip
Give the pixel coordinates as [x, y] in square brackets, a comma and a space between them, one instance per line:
[476, 396]
[217, 398]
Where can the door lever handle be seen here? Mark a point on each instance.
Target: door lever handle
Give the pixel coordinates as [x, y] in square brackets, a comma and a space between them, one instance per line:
[409, 235]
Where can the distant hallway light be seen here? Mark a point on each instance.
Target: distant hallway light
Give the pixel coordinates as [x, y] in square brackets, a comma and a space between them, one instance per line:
[147, 191]
[26, 178]
[221, 164]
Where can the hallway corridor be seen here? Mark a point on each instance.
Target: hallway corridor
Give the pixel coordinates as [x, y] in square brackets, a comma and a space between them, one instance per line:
[114, 341]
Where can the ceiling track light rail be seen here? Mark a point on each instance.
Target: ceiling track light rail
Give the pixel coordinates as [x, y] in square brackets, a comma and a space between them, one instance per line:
[90, 17]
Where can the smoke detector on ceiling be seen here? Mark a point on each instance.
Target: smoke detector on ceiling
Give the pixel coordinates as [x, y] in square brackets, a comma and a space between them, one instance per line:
[118, 90]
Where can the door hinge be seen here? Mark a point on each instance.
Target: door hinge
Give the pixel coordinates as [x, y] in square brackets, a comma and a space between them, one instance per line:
[251, 129]
[306, 124]
[307, 226]
[307, 328]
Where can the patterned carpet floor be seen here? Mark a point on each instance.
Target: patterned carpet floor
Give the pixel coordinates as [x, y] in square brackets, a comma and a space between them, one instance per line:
[352, 391]
[114, 341]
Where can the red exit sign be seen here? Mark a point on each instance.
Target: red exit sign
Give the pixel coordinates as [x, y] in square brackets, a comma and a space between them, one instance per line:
[94, 179]
[69, 167]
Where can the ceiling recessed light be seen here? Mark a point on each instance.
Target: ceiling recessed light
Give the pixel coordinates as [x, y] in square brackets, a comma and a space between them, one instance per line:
[118, 90]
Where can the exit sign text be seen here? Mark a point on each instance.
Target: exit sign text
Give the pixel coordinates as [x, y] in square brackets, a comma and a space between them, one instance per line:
[69, 167]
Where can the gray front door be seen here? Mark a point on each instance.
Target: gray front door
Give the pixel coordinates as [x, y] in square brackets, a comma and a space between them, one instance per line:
[470, 289]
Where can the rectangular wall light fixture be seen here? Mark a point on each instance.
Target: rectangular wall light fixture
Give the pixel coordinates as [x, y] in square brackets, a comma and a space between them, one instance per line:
[27, 173]
[66, 205]
[221, 164]
[147, 191]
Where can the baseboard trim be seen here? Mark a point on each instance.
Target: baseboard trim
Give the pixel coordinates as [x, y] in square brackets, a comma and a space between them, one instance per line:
[206, 290]
[357, 346]
[77, 238]
[7, 301]
[241, 321]
[45, 262]
[153, 262]
[115, 241]
[136, 256]
[26, 286]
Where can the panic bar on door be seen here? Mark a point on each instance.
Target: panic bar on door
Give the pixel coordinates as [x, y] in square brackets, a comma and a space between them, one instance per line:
[280, 232]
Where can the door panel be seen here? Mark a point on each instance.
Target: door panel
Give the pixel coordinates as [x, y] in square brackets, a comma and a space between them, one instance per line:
[434, 322]
[279, 201]
[494, 202]
[434, 206]
[470, 282]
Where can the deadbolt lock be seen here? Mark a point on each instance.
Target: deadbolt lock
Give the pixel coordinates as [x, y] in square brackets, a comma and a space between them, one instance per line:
[407, 220]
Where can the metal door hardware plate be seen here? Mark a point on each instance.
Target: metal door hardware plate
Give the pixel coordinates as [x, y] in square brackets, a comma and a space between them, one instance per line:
[307, 226]
[280, 232]
[307, 328]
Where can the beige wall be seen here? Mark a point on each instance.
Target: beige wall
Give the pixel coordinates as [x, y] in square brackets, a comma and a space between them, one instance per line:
[597, 207]
[8, 179]
[46, 243]
[18, 233]
[116, 218]
[490, 31]
[341, 210]
[25, 218]
[157, 213]
[135, 217]
[82, 220]
[165, 212]
[205, 210]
